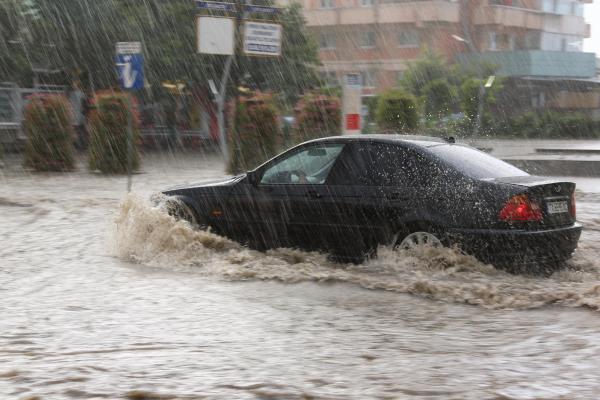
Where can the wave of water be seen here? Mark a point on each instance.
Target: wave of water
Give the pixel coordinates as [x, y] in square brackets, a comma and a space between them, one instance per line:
[145, 234]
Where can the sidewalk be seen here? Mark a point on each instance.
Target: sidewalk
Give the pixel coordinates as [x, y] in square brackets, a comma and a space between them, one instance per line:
[546, 157]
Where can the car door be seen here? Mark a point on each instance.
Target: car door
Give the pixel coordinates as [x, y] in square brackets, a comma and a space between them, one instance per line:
[298, 193]
[375, 187]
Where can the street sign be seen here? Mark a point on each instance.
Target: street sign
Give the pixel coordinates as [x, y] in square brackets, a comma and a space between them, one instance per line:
[352, 103]
[129, 48]
[262, 39]
[130, 63]
[216, 5]
[215, 35]
[261, 9]
[352, 122]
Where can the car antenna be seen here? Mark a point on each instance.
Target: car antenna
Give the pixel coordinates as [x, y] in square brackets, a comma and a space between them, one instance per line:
[450, 139]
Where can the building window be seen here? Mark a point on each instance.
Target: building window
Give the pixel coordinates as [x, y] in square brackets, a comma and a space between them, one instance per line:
[326, 3]
[408, 38]
[368, 78]
[366, 3]
[492, 45]
[368, 39]
[512, 42]
[532, 41]
[326, 42]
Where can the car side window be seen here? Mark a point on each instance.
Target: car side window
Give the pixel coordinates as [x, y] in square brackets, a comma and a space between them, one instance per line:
[381, 164]
[308, 166]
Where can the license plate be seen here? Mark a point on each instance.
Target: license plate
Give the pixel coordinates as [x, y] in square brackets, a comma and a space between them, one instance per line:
[557, 207]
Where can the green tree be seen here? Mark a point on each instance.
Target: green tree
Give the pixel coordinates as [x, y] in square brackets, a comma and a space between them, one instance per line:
[293, 72]
[429, 67]
[469, 97]
[15, 41]
[397, 111]
[438, 98]
[84, 34]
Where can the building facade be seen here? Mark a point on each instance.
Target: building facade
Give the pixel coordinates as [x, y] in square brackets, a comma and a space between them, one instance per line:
[537, 40]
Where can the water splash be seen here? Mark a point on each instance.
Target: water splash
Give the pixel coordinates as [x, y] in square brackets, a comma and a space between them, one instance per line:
[145, 234]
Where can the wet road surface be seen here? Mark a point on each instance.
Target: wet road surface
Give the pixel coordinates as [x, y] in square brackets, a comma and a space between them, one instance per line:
[104, 296]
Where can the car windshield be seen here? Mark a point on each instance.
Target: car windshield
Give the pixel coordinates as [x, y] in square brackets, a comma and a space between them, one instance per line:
[475, 163]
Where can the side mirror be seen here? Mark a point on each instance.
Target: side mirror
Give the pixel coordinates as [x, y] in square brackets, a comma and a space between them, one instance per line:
[253, 177]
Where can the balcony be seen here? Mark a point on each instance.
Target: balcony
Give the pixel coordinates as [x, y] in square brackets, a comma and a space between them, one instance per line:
[551, 64]
[531, 19]
[414, 13]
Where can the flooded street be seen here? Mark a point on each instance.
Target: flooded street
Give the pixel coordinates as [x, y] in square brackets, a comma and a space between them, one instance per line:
[104, 296]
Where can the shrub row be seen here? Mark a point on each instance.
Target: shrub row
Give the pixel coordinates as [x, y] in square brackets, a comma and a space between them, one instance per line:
[257, 135]
[50, 135]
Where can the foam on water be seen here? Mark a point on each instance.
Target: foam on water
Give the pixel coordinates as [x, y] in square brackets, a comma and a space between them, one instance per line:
[146, 234]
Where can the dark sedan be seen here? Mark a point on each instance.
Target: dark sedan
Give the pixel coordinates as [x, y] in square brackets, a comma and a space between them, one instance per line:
[347, 195]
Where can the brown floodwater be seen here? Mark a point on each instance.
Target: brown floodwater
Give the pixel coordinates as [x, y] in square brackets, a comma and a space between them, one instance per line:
[104, 296]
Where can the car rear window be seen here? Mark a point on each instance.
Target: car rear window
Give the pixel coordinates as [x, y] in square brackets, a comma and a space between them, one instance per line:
[475, 163]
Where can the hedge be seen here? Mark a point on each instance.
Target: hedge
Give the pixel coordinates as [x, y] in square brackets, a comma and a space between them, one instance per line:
[107, 125]
[50, 135]
[397, 112]
[317, 115]
[256, 133]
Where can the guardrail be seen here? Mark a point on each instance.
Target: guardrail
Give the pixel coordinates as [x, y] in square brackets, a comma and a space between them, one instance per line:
[160, 136]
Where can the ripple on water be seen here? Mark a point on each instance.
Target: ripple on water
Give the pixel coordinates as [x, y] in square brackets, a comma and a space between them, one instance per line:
[146, 234]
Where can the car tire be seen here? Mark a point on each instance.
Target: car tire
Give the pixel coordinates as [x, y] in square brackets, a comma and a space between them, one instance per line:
[416, 238]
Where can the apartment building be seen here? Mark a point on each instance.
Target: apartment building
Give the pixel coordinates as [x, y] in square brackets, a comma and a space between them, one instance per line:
[536, 40]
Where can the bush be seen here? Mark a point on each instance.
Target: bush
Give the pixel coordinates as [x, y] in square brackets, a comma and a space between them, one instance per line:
[107, 125]
[548, 125]
[256, 135]
[50, 135]
[438, 98]
[317, 115]
[397, 112]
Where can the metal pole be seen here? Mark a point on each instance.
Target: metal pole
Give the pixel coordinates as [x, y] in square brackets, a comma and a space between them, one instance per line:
[221, 108]
[473, 49]
[129, 142]
[241, 15]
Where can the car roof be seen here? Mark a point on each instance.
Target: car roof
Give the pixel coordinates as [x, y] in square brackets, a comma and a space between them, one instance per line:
[417, 140]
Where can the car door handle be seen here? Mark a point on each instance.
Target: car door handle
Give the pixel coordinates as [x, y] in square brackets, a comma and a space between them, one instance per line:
[314, 193]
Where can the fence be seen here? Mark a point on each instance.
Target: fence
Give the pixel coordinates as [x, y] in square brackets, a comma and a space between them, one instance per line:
[12, 102]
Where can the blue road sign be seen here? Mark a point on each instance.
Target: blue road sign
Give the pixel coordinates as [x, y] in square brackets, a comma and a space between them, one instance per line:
[131, 71]
[215, 5]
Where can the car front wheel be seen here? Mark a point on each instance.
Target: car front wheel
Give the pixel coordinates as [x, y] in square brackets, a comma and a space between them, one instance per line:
[181, 211]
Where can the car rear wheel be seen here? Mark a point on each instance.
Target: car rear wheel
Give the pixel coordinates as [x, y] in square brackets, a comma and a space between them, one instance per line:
[416, 239]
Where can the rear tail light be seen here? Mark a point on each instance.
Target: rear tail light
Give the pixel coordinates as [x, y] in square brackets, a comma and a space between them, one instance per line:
[520, 209]
[573, 207]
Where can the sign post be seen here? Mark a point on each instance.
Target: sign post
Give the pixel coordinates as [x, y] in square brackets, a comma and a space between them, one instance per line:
[130, 63]
[351, 103]
[220, 34]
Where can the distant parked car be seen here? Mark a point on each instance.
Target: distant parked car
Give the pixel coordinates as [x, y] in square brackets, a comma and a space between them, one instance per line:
[347, 195]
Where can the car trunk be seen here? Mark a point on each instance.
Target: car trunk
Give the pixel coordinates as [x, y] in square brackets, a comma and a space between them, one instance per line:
[554, 197]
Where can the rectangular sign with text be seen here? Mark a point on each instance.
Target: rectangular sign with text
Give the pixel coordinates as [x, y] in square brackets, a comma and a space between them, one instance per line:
[262, 39]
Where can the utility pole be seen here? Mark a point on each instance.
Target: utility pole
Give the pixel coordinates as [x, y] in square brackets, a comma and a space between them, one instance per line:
[468, 40]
